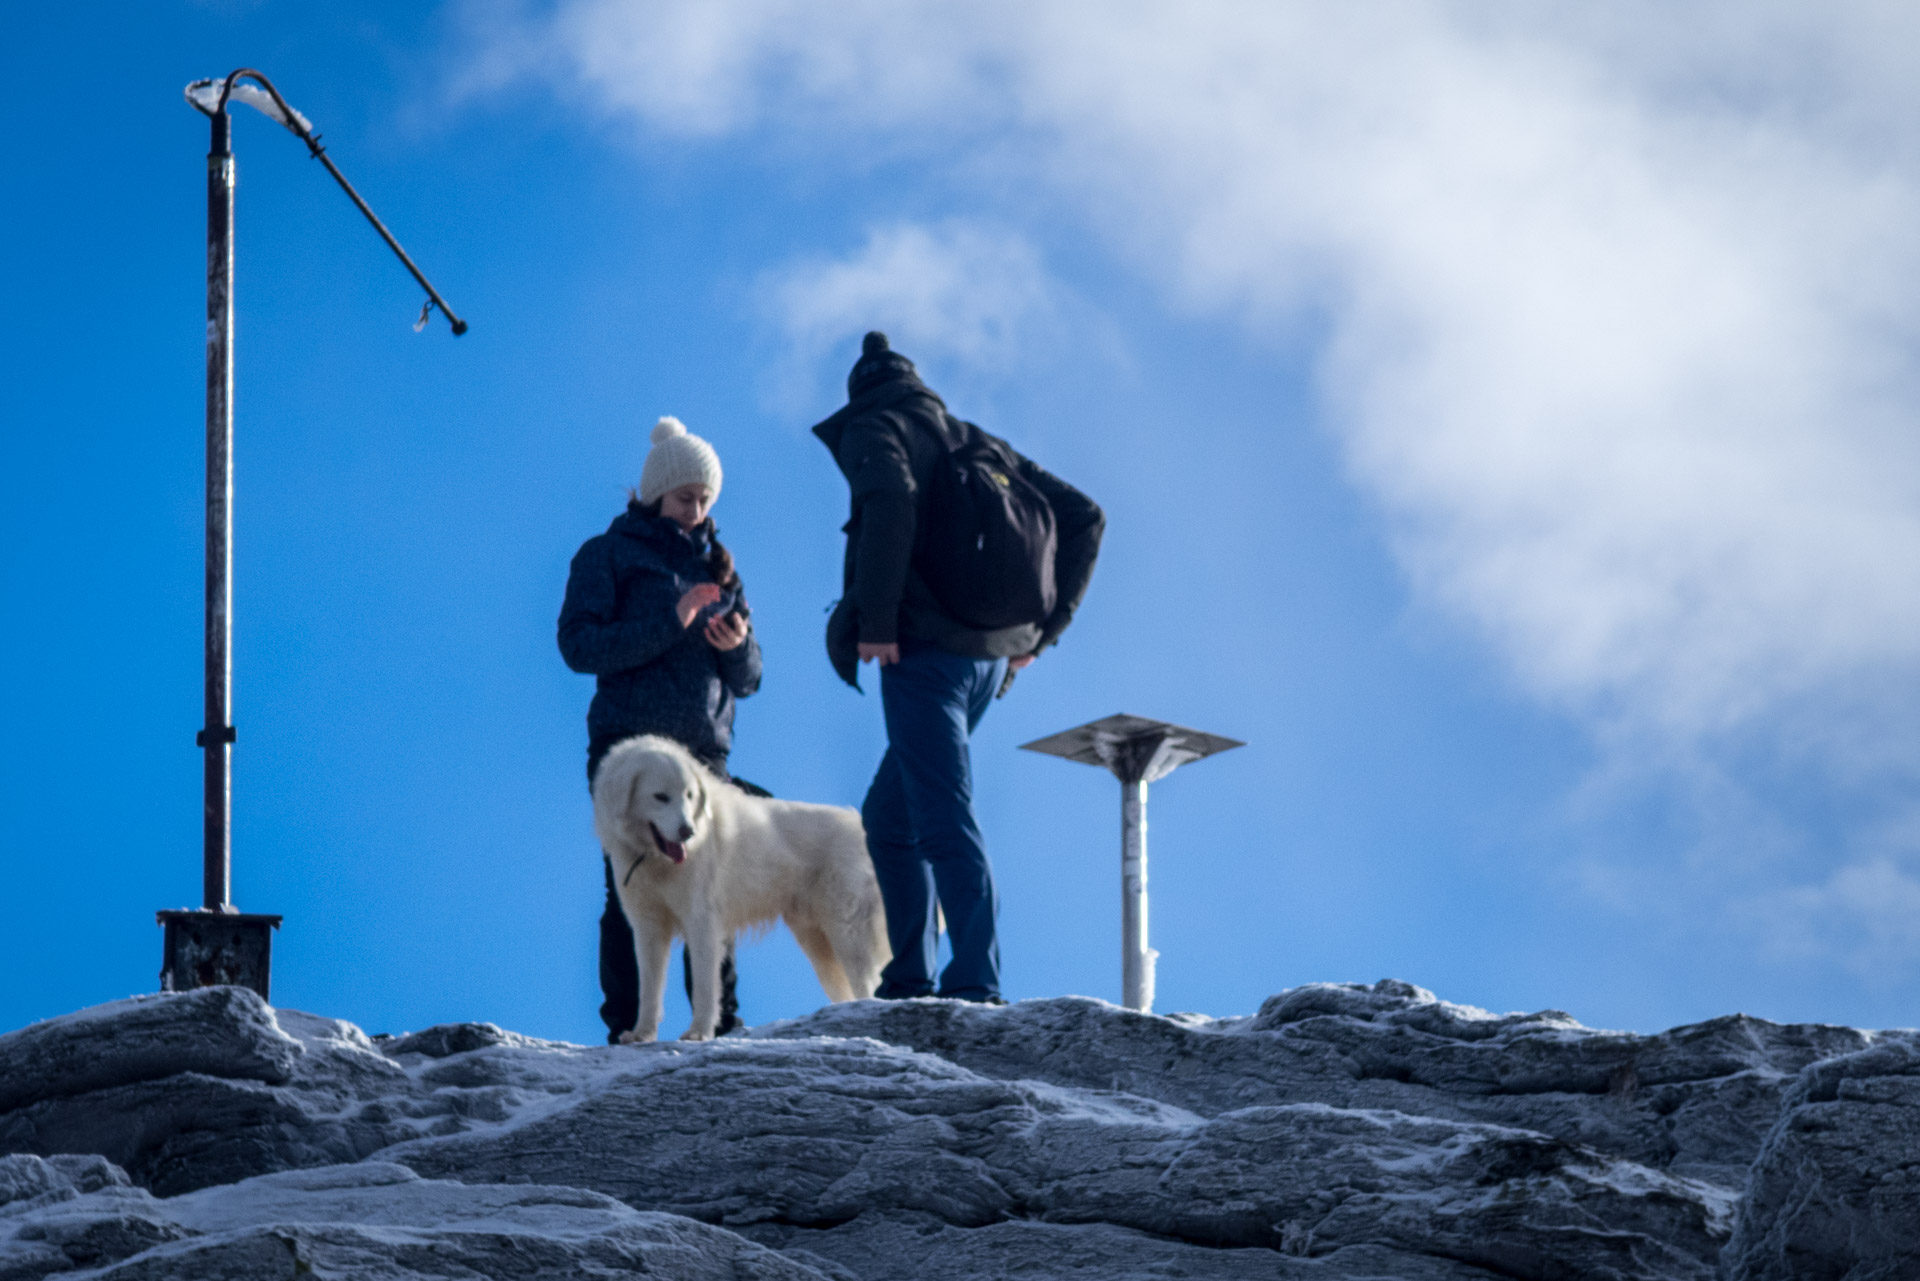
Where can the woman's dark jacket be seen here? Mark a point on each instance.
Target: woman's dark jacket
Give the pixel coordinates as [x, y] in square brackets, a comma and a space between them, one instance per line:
[619, 624]
[886, 441]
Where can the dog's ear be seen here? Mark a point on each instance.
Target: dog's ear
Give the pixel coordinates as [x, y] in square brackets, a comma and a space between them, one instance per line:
[633, 791]
[704, 805]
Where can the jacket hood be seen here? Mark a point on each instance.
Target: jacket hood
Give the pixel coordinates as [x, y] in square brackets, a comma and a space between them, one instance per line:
[659, 531]
[900, 390]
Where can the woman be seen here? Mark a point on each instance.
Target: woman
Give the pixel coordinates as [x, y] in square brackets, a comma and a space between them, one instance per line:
[654, 609]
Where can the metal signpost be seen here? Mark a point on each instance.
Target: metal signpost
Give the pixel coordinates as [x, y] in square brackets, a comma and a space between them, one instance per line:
[1138, 751]
[217, 943]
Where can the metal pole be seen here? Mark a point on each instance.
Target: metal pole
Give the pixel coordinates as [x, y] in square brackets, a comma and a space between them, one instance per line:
[1137, 751]
[216, 738]
[320, 153]
[1136, 958]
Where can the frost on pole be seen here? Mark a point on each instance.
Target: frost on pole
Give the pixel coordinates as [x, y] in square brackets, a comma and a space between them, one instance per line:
[205, 95]
[1138, 751]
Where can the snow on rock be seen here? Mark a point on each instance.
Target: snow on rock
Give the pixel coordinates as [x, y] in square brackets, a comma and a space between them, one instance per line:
[926, 1248]
[215, 1031]
[1344, 1131]
[1693, 1102]
[815, 1132]
[1836, 1190]
[197, 1088]
[373, 1219]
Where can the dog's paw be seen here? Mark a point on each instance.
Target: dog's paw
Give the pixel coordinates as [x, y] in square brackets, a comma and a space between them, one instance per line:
[636, 1037]
[695, 1034]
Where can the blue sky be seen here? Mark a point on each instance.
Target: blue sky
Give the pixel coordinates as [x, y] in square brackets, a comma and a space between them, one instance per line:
[1505, 424]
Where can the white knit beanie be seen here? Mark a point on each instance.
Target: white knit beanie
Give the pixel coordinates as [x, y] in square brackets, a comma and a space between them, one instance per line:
[678, 458]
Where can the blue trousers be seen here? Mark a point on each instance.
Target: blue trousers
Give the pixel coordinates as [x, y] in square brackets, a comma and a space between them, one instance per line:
[921, 831]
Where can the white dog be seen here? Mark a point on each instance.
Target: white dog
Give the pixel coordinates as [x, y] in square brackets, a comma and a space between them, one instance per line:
[696, 857]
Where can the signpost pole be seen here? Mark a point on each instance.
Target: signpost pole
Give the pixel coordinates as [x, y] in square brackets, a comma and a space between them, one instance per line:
[216, 736]
[1136, 958]
[218, 943]
[1137, 751]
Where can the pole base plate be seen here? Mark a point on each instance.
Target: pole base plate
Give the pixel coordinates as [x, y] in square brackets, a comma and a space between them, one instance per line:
[211, 949]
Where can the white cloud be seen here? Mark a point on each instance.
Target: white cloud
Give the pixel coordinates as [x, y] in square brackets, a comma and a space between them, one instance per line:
[955, 291]
[1622, 301]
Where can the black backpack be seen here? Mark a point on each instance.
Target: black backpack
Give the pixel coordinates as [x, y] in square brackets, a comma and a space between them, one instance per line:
[986, 538]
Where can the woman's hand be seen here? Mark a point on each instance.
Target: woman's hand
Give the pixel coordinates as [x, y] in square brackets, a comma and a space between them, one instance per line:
[729, 631]
[696, 599]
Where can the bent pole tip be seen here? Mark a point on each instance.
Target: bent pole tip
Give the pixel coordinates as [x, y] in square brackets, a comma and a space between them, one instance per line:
[210, 97]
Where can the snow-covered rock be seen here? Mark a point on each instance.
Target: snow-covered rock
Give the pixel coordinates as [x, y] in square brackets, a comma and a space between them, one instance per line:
[1344, 1131]
[1836, 1190]
[374, 1219]
[1693, 1102]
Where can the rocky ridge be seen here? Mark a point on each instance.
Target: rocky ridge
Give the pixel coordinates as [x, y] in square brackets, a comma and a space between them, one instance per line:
[1343, 1131]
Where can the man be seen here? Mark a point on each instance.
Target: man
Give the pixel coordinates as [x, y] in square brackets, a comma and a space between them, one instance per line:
[937, 674]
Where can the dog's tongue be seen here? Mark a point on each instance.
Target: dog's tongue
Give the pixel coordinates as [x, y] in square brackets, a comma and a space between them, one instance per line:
[674, 850]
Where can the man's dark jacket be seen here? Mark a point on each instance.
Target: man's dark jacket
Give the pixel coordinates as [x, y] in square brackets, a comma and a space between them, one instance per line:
[887, 440]
[619, 624]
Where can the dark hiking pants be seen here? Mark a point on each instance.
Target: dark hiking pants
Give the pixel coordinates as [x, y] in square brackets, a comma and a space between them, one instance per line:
[619, 969]
[921, 831]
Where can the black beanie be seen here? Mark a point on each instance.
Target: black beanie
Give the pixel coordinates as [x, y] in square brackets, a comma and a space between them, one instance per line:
[877, 364]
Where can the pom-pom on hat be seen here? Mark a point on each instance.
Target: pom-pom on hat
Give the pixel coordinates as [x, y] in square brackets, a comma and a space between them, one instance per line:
[678, 458]
[878, 363]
